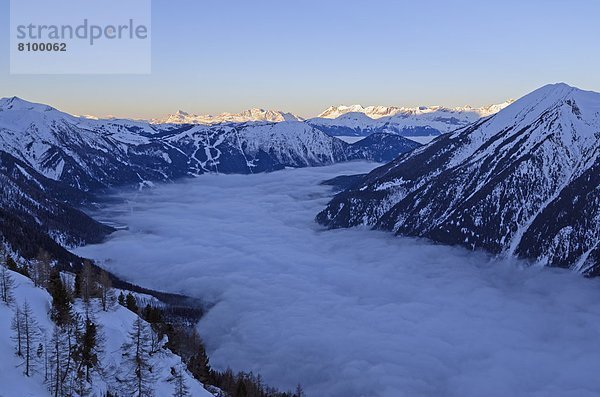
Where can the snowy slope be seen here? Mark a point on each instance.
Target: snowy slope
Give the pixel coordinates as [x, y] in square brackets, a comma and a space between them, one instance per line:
[522, 182]
[115, 325]
[14, 383]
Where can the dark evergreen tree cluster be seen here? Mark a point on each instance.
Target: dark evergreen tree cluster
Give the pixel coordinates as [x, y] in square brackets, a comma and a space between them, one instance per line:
[91, 283]
[184, 340]
[74, 349]
[249, 385]
[11, 265]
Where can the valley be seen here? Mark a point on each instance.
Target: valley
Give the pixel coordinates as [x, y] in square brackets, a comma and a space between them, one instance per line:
[353, 311]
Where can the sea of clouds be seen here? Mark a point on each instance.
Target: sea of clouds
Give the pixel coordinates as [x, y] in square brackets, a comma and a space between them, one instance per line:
[353, 312]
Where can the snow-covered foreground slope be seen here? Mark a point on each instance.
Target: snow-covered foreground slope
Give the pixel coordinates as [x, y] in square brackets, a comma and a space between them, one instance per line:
[354, 312]
[13, 383]
[115, 325]
[524, 181]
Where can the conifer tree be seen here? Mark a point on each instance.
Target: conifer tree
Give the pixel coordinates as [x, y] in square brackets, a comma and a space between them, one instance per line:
[121, 299]
[131, 303]
[30, 338]
[240, 389]
[140, 375]
[65, 358]
[107, 294]
[88, 350]
[61, 300]
[72, 332]
[46, 356]
[58, 358]
[87, 282]
[17, 327]
[198, 363]
[41, 268]
[11, 264]
[77, 286]
[6, 286]
[181, 387]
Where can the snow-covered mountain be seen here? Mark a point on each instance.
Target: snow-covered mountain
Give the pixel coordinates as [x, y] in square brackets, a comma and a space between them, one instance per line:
[523, 182]
[356, 120]
[85, 154]
[254, 114]
[90, 154]
[38, 213]
[377, 112]
[374, 112]
[52, 162]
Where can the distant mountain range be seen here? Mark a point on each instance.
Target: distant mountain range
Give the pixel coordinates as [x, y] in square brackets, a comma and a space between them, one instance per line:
[378, 112]
[410, 122]
[182, 117]
[357, 120]
[523, 182]
[52, 162]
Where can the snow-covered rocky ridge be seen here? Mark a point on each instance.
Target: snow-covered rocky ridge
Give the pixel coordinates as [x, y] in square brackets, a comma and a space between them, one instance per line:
[378, 112]
[523, 182]
[38, 213]
[356, 120]
[181, 117]
[91, 154]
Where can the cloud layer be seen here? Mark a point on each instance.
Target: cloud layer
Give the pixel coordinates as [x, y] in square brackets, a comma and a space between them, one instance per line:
[353, 312]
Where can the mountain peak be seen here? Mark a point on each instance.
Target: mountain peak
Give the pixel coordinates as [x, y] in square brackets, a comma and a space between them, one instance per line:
[555, 89]
[16, 103]
[253, 114]
[559, 85]
[551, 96]
[523, 182]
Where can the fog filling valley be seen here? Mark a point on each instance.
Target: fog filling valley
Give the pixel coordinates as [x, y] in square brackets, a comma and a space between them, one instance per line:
[352, 312]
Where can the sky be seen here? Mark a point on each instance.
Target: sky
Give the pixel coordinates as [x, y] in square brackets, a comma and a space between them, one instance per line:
[214, 56]
[352, 312]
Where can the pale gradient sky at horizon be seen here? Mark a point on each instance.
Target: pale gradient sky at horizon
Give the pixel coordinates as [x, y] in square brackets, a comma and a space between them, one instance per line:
[301, 57]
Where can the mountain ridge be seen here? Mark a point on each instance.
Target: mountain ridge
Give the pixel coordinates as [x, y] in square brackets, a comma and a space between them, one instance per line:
[52, 162]
[379, 111]
[498, 184]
